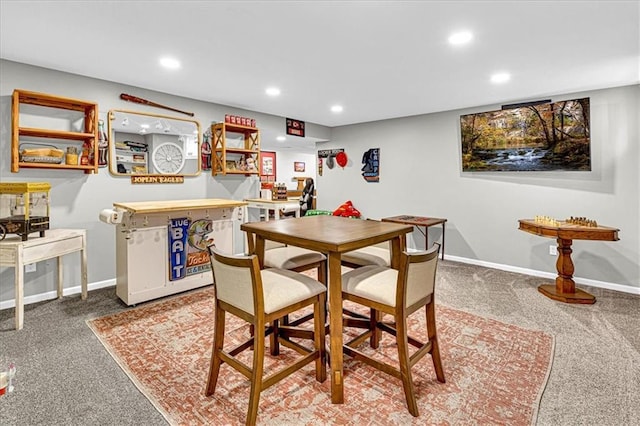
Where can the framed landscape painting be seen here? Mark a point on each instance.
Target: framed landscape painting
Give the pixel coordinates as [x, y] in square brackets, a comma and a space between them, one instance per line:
[538, 137]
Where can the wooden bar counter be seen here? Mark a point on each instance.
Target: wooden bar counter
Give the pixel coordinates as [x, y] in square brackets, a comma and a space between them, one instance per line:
[161, 245]
[564, 233]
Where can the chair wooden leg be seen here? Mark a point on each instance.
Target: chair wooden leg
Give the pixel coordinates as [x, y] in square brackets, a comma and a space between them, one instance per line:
[256, 374]
[274, 344]
[322, 273]
[218, 342]
[319, 337]
[433, 338]
[376, 334]
[405, 366]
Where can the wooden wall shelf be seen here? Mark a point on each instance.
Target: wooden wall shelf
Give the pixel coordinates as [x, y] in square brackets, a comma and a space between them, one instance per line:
[229, 153]
[50, 108]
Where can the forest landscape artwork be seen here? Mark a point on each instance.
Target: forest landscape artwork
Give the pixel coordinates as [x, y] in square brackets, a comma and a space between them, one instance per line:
[538, 137]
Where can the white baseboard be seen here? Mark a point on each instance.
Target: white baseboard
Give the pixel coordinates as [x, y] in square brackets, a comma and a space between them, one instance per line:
[41, 297]
[550, 275]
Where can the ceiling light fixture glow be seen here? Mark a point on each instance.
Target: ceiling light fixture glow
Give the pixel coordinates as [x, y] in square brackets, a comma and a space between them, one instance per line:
[501, 77]
[337, 108]
[281, 139]
[272, 91]
[462, 37]
[170, 63]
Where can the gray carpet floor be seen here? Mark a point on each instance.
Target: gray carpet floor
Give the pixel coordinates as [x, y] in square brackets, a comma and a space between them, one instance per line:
[66, 377]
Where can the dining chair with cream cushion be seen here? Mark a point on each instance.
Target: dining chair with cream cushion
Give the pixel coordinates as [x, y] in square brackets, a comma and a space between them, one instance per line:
[398, 293]
[377, 255]
[297, 259]
[261, 297]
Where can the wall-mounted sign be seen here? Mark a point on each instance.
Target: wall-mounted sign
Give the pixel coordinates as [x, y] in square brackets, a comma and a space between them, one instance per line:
[157, 179]
[325, 153]
[371, 168]
[295, 127]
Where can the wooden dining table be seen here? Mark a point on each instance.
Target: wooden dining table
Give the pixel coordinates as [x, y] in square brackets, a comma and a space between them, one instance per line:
[332, 236]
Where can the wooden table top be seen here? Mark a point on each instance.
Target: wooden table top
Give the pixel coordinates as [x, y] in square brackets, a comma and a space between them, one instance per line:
[177, 205]
[415, 220]
[569, 231]
[326, 233]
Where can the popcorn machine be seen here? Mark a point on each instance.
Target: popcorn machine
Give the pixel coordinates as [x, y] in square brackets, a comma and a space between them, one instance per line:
[24, 208]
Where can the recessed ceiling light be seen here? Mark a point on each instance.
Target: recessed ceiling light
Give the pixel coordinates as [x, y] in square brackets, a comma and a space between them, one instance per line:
[462, 37]
[272, 91]
[501, 77]
[144, 126]
[336, 108]
[281, 139]
[170, 63]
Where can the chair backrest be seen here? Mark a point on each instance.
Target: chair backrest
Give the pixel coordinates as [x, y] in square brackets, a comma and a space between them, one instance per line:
[237, 280]
[417, 277]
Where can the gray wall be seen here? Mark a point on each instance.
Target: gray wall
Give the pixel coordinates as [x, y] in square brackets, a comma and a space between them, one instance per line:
[420, 174]
[77, 199]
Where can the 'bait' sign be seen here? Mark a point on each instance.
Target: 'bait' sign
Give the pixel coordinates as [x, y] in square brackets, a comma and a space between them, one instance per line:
[178, 248]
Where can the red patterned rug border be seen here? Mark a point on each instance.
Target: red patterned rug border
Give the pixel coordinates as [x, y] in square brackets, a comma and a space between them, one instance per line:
[172, 419]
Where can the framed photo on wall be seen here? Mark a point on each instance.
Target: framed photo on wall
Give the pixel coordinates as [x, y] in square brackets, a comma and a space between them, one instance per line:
[298, 166]
[268, 164]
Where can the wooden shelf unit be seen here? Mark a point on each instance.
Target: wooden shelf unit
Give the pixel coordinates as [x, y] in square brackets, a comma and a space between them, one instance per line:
[250, 148]
[89, 111]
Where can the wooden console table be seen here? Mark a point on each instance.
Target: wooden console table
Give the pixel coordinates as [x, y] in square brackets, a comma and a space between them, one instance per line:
[419, 221]
[56, 243]
[565, 289]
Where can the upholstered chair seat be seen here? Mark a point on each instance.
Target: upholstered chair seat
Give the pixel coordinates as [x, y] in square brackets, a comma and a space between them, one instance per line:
[261, 298]
[379, 255]
[398, 293]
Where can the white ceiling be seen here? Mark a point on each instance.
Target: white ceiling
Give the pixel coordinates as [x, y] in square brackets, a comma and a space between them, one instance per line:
[379, 59]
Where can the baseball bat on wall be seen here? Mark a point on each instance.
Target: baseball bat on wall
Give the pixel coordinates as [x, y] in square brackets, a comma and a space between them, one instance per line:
[142, 101]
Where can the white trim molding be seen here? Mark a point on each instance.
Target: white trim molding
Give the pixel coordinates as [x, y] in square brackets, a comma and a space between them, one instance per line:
[550, 275]
[69, 291]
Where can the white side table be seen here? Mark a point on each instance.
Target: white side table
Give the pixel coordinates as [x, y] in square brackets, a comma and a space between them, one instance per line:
[276, 205]
[56, 243]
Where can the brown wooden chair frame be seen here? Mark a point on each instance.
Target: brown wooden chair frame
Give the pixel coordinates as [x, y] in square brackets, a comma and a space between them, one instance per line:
[260, 321]
[398, 328]
[321, 267]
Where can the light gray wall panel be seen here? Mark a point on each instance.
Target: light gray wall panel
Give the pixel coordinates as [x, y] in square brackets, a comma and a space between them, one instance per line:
[420, 174]
[77, 199]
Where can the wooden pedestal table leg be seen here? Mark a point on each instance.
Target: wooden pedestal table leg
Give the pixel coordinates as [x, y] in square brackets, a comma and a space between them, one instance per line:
[565, 288]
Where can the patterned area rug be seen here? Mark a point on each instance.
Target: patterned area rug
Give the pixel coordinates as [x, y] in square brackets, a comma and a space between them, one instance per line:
[495, 372]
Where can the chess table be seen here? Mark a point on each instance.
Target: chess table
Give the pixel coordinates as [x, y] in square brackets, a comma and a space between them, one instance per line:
[564, 233]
